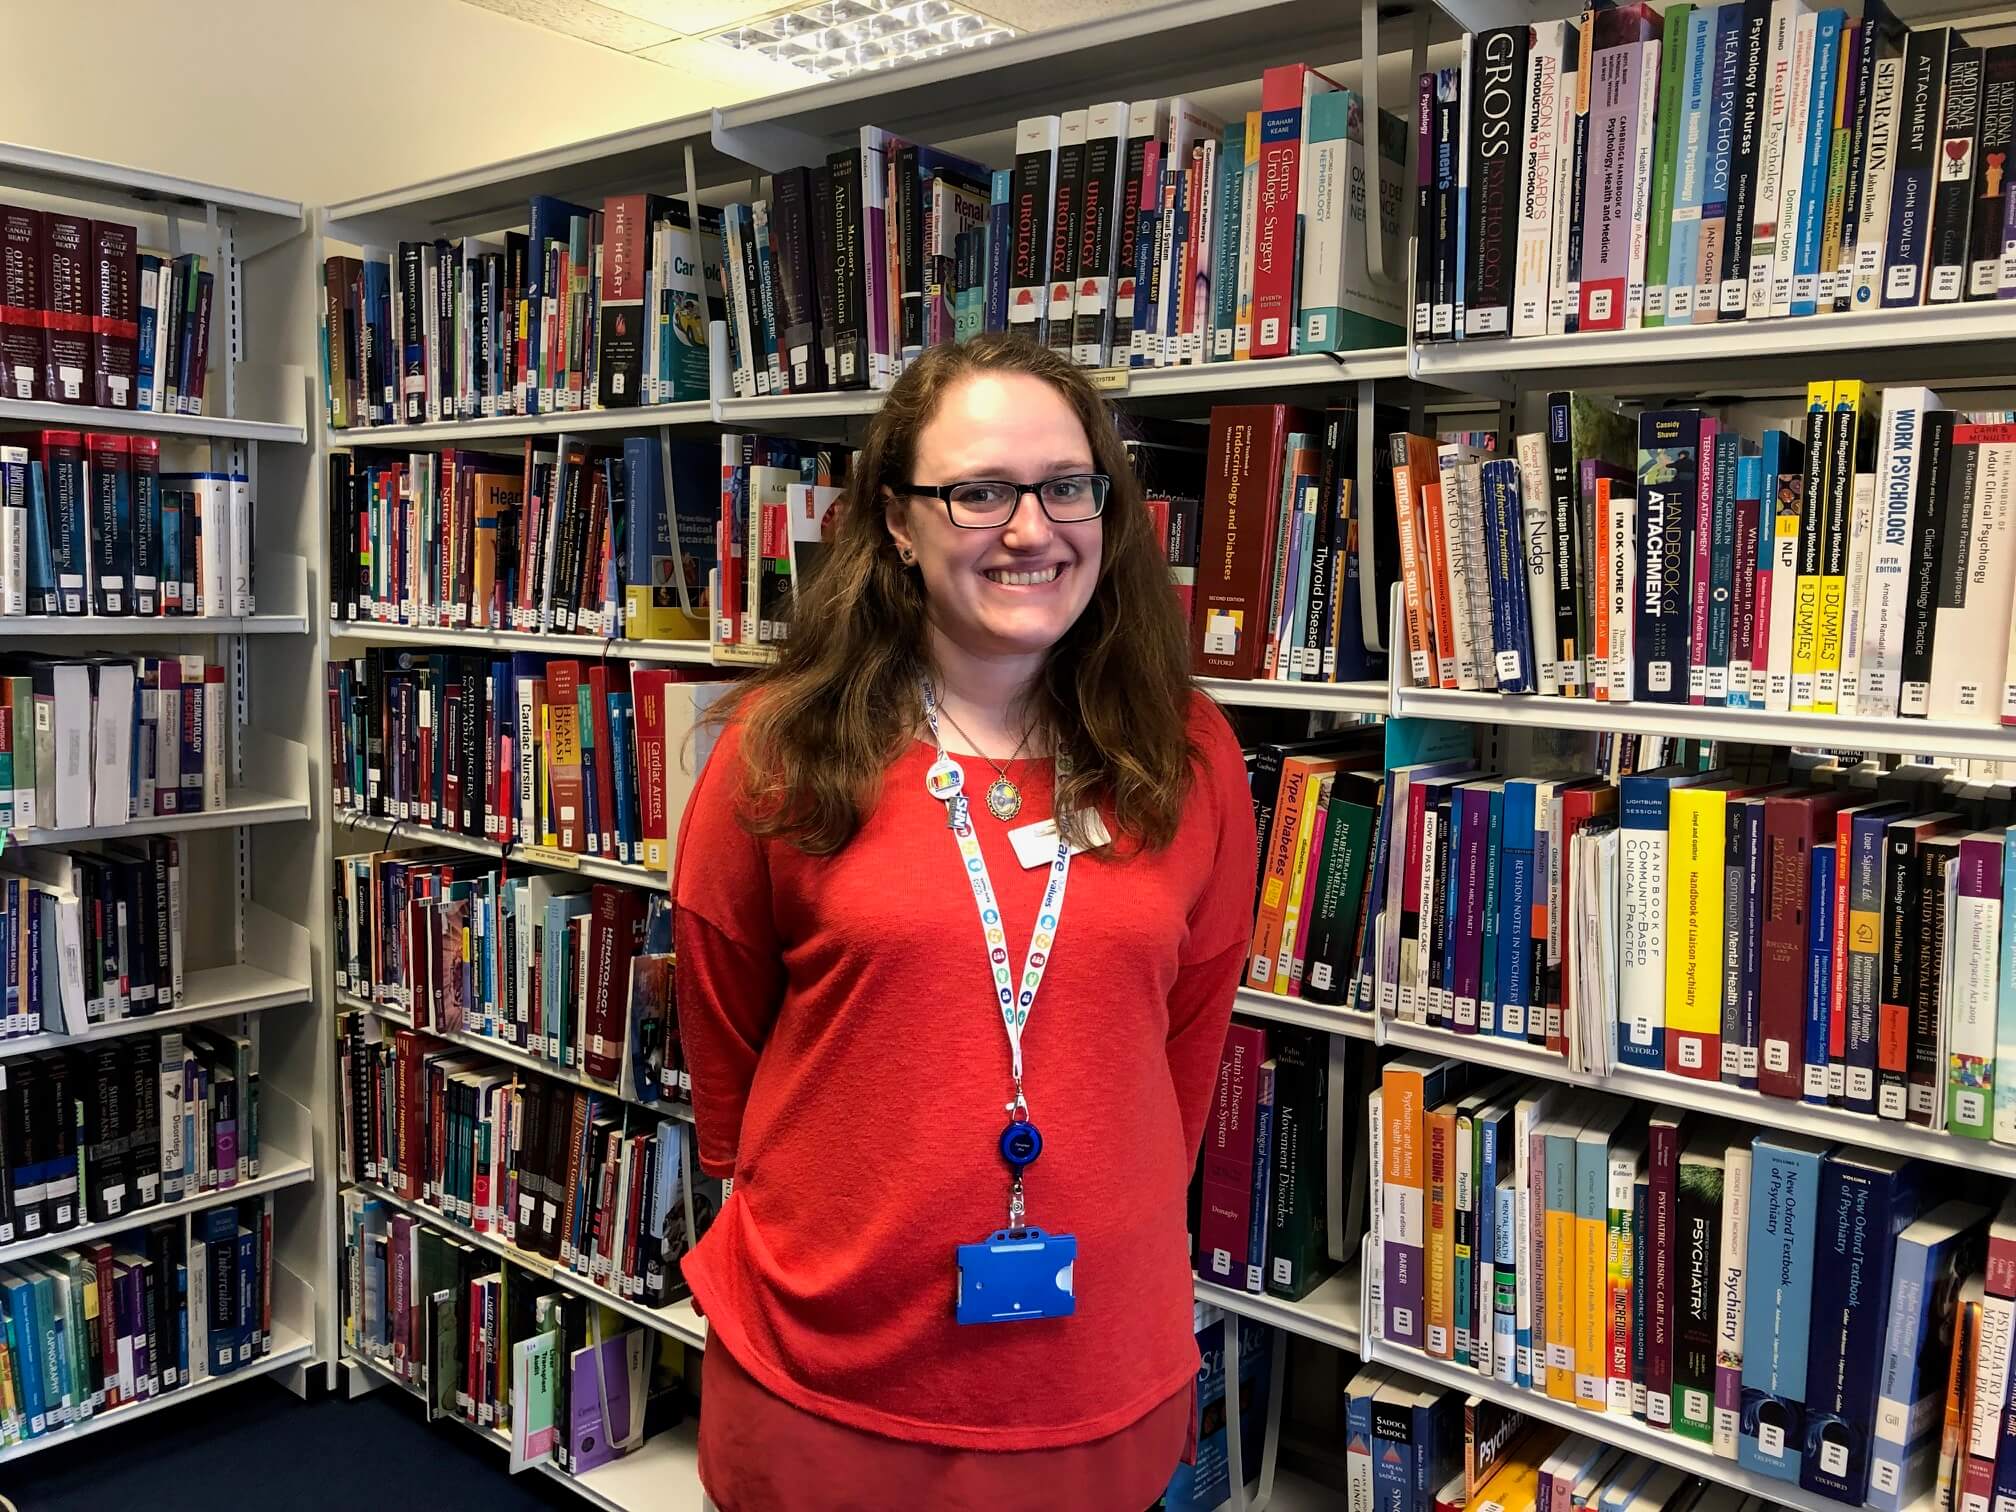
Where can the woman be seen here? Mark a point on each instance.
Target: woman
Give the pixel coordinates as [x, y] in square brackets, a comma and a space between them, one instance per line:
[991, 643]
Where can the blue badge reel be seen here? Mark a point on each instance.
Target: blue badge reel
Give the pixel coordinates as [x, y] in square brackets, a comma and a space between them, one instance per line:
[1017, 1275]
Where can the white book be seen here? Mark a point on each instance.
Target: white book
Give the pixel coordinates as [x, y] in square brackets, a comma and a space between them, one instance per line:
[743, 374]
[1970, 634]
[1450, 465]
[1029, 297]
[238, 541]
[1792, 179]
[1620, 534]
[1538, 178]
[1879, 160]
[213, 501]
[1249, 210]
[1188, 125]
[1889, 578]
[13, 559]
[1784, 577]
[1375, 1212]
[1528, 1114]
[1060, 301]
[1466, 103]
[1973, 955]
[1781, 39]
[1560, 288]
[215, 698]
[1190, 343]
[1641, 180]
[875, 146]
[1991, 1375]
[112, 743]
[1537, 548]
[1730, 1291]
[1861, 541]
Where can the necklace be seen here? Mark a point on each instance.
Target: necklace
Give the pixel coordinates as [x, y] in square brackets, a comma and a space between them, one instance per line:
[1004, 797]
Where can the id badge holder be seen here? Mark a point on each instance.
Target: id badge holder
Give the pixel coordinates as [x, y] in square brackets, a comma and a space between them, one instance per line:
[1017, 1275]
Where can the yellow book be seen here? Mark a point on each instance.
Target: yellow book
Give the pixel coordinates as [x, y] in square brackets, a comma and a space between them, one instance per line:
[1441, 1309]
[1249, 200]
[1515, 1488]
[1812, 510]
[1694, 851]
[1298, 879]
[1850, 441]
[1558, 1136]
[545, 782]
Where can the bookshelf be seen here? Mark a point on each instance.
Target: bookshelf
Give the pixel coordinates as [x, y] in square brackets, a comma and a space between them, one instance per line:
[1205, 46]
[252, 925]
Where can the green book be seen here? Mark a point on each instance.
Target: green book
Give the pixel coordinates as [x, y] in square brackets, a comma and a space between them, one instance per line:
[1665, 150]
[1348, 828]
[1225, 254]
[535, 1369]
[1298, 1257]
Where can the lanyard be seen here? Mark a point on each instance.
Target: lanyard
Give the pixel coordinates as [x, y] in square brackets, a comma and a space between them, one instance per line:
[946, 783]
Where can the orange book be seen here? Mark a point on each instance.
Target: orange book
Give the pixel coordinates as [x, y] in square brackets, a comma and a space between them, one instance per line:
[1437, 536]
[1409, 1085]
[1413, 459]
[1440, 1127]
[1298, 786]
[495, 495]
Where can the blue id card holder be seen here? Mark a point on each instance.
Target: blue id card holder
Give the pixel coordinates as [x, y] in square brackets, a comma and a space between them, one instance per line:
[1017, 1275]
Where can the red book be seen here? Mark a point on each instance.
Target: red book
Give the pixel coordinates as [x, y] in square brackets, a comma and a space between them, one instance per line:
[603, 842]
[1235, 542]
[1793, 824]
[647, 686]
[563, 694]
[616, 917]
[1227, 1210]
[115, 314]
[23, 353]
[1284, 96]
[66, 316]
[1578, 806]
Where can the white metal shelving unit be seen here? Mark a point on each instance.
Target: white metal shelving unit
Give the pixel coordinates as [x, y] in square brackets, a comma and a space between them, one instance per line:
[250, 931]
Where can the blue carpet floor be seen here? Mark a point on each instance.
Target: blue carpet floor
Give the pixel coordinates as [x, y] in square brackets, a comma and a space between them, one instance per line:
[258, 1449]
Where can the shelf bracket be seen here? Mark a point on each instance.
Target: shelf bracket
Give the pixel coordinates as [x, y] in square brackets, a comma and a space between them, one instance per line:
[1368, 523]
[1368, 89]
[766, 146]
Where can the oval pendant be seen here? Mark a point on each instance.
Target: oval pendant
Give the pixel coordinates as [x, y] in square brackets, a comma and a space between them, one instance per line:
[1004, 799]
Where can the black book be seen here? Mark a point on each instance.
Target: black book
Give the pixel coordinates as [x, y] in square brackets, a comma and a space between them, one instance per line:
[1744, 155]
[517, 248]
[1496, 137]
[1698, 1271]
[1925, 1079]
[849, 362]
[57, 1122]
[1993, 144]
[25, 1150]
[475, 745]
[1424, 209]
[1880, 31]
[146, 475]
[791, 222]
[1135, 190]
[1563, 505]
[1448, 127]
[1920, 115]
[443, 381]
[1939, 485]
[1953, 178]
[1581, 56]
[143, 1099]
[412, 357]
[1097, 241]
[824, 266]
[1061, 260]
[1668, 462]
[1440, 1006]
[342, 539]
[571, 522]
[1029, 212]
[1323, 559]
[1333, 930]
[906, 210]
[1852, 440]
[106, 1118]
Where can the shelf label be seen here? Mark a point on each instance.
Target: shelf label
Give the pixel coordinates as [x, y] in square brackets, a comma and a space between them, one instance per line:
[1114, 380]
[547, 855]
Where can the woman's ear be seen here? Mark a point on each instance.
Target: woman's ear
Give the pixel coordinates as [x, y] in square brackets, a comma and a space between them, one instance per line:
[896, 520]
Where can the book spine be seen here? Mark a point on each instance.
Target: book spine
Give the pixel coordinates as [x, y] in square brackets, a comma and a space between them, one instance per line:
[1953, 177]
[1662, 1251]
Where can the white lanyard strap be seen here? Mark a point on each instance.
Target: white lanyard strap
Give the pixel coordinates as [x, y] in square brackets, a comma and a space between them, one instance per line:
[1015, 1002]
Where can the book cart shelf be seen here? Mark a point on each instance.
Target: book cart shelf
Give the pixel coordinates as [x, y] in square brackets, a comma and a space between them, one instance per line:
[970, 105]
[253, 903]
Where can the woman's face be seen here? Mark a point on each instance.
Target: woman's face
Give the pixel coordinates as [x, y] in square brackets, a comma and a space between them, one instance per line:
[1016, 588]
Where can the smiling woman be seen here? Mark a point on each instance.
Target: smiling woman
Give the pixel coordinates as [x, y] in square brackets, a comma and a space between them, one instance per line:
[995, 594]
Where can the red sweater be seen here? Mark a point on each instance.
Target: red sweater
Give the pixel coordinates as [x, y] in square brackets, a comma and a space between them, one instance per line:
[850, 1068]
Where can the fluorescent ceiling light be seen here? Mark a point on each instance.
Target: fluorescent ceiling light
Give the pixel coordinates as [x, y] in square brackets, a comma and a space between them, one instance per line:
[835, 38]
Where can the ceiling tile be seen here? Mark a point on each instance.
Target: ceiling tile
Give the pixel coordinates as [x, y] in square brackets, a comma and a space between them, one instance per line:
[1040, 15]
[584, 19]
[727, 74]
[695, 18]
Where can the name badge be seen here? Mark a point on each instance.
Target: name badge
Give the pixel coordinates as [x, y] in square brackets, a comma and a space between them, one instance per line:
[1036, 844]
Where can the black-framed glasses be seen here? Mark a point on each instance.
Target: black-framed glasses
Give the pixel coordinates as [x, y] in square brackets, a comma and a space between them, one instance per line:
[989, 503]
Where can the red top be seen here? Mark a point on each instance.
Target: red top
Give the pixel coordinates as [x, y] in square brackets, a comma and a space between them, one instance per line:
[850, 1071]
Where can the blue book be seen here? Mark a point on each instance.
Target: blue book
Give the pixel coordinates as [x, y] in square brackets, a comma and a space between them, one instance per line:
[1722, 573]
[21, 488]
[1515, 944]
[548, 222]
[1224, 323]
[1511, 620]
[1487, 981]
[1777, 1308]
[1933, 1257]
[1921, 91]
[1805, 292]
[1819, 974]
[1393, 1447]
[147, 272]
[999, 239]
[1358, 1431]
[1206, 1484]
[245, 1331]
[1138, 354]
[1749, 1016]
[1866, 1201]
[24, 1341]
[1690, 176]
[1438, 1442]
[1749, 489]
[1263, 1183]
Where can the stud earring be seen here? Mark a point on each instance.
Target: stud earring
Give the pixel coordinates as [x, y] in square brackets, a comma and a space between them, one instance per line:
[909, 557]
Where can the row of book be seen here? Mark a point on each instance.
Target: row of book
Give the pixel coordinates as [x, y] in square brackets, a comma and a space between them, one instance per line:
[778, 503]
[129, 1320]
[594, 758]
[105, 739]
[89, 935]
[1859, 567]
[496, 1345]
[1417, 1447]
[1289, 565]
[1755, 1294]
[99, 1133]
[1756, 159]
[575, 973]
[567, 538]
[585, 309]
[601, 1188]
[87, 317]
[90, 525]
[1280, 1173]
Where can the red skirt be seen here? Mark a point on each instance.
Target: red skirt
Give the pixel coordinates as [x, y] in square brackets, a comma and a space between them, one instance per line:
[759, 1453]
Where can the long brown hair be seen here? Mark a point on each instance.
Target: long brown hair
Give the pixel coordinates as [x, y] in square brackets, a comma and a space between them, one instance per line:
[820, 726]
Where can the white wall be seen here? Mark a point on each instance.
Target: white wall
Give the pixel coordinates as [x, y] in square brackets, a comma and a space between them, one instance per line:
[323, 100]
